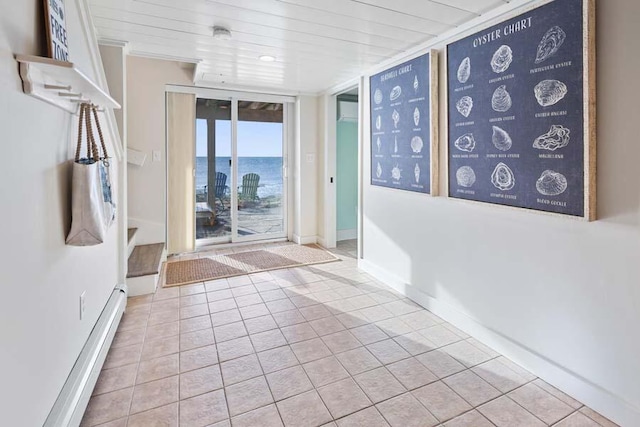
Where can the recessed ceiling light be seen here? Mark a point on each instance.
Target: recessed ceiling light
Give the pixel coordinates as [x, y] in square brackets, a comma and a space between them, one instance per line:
[221, 33]
[267, 58]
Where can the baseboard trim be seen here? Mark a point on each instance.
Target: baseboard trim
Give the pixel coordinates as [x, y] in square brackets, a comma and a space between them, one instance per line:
[608, 404]
[305, 240]
[69, 408]
[347, 234]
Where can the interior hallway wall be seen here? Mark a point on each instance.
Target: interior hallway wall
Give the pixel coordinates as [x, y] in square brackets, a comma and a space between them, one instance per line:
[560, 296]
[41, 334]
[347, 178]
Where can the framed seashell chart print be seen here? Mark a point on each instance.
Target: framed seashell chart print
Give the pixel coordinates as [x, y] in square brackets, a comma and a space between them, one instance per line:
[521, 111]
[404, 140]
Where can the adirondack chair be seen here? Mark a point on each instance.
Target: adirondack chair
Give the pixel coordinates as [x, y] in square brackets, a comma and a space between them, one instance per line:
[221, 187]
[248, 191]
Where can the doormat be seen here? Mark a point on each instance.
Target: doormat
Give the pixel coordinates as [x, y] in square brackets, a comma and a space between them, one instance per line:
[220, 266]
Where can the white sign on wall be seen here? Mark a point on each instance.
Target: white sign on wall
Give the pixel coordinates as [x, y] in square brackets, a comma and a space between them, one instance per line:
[56, 29]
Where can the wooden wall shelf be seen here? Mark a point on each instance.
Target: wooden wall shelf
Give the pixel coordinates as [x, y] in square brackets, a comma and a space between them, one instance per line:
[61, 84]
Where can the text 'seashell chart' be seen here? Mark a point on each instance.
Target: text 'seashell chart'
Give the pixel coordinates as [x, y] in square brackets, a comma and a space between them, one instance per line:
[516, 112]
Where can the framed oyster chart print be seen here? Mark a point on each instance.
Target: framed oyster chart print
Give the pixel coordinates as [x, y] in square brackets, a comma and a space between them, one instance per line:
[521, 112]
[404, 143]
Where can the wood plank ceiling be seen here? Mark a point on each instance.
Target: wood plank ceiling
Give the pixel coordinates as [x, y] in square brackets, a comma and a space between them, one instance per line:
[317, 43]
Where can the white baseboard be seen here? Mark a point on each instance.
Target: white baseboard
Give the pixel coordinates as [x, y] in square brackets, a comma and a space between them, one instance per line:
[347, 234]
[142, 285]
[608, 404]
[149, 232]
[305, 240]
[322, 242]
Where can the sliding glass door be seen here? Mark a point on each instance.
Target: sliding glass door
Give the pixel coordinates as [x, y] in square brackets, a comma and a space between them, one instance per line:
[240, 169]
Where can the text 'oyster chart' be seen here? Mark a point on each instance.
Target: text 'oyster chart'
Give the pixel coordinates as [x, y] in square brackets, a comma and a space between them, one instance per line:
[400, 126]
[516, 112]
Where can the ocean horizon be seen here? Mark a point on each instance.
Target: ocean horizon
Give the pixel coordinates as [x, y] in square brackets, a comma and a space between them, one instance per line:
[269, 169]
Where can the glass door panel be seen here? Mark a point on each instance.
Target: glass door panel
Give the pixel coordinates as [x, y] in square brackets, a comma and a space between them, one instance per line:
[213, 171]
[261, 199]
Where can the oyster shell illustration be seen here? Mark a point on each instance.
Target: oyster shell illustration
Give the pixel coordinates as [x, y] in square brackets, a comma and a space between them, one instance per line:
[416, 173]
[395, 145]
[557, 137]
[379, 170]
[502, 59]
[395, 93]
[396, 173]
[550, 43]
[465, 176]
[396, 118]
[466, 143]
[551, 183]
[464, 70]
[501, 100]
[416, 144]
[501, 139]
[378, 123]
[379, 144]
[416, 84]
[550, 92]
[502, 177]
[465, 105]
[416, 116]
[377, 97]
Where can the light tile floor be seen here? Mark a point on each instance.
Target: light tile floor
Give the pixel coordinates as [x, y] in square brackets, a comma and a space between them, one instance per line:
[320, 345]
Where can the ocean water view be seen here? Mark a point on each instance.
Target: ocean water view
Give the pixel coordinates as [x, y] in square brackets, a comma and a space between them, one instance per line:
[269, 169]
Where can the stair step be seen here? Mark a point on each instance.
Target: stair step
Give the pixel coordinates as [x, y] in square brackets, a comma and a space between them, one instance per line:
[145, 260]
[130, 233]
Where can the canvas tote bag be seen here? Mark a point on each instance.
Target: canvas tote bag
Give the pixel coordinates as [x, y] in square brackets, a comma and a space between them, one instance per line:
[92, 207]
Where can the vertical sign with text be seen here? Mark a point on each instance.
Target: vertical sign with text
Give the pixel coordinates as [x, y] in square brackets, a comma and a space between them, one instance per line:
[57, 32]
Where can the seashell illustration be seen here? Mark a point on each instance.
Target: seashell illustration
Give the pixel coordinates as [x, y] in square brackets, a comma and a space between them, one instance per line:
[550, 43]
[551, 183]
[395, 93]
[416, 84]
[377, 97]
[501, 100]
[378, 123]
[502, 177]
[379, 144]
[464, 70]
[465, 105]
[466, 143]
[416, 144]
[416, 173]
[502, 59]
[396, 118]
[395, 145]
[396, 173]
[557, 137]
[379, 170]
[501, 139]
[550, 92]
[416, 116]
[465, 176]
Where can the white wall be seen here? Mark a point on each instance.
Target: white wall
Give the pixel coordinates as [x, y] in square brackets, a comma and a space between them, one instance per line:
[146, 131]
[560, 296]
[41, 334]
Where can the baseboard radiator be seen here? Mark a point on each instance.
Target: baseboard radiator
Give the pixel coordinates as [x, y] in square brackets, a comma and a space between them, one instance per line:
[74, 397]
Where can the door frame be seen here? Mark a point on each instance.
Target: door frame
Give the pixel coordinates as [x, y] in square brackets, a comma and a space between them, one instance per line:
[234, 97]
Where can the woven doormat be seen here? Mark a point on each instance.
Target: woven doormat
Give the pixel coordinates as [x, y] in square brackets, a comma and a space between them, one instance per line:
[221, 266]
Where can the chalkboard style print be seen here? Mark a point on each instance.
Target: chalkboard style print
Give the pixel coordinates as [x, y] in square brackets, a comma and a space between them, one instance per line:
[501, 139]
[551, 183]
[550, 43]
[466, 177]
[465, 105]
[502, 59]
[466, 143]
[557, 137]
[464, 70]
[550, 92]
[501, 100]
[403, 122]
[521, 111]
[503, 178]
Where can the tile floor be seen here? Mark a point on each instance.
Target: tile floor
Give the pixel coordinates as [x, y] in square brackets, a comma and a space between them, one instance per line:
[320, 345]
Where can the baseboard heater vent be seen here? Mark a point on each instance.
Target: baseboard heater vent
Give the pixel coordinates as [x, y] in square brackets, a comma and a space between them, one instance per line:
[74, 397]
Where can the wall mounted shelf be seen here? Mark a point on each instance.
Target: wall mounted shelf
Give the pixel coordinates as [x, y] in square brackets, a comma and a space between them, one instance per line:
[61, 84]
